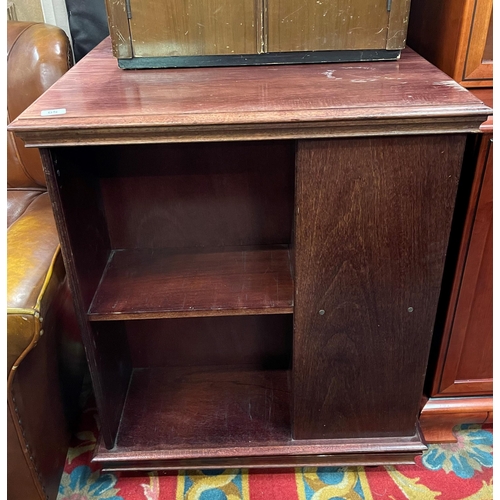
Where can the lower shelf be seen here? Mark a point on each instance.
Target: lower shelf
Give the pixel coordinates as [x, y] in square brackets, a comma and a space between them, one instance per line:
[182, 408]
[189, 418]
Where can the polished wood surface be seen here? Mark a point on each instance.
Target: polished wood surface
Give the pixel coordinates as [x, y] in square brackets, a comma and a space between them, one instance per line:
[409, 96]
[319, 460]
[452, 34]
[193, 28]
[148, 283]
[187, 409]
[370, 248]
[465, 365]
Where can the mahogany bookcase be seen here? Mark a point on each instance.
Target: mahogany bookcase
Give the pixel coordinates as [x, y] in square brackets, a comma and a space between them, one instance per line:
[255, 253]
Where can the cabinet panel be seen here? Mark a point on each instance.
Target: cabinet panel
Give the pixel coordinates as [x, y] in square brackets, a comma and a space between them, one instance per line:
[479, 60]
[455, 35]
[372, 227]
[468, 362]
[178, 28]
[327, 25]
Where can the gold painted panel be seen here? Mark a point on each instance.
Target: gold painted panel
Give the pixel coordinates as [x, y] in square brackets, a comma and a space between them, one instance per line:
[309, 25]
[194, 27]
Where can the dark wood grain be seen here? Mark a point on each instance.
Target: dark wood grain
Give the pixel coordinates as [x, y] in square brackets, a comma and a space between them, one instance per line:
[158, 283]
[199, 414]
[83, 215]
[409, 96]
[256, 342]
[214, 195]
[195, 408]
[85, 249]
[371, 234]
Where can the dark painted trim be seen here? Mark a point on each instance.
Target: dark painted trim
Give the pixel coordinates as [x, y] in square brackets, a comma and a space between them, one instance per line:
[259, 59]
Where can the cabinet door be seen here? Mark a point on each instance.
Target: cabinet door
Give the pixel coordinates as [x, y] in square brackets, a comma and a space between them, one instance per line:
[468, 348]
[193, 27]
[148, 28]
[456, 36]
[479, 58]
[372, 228]
[311, 25]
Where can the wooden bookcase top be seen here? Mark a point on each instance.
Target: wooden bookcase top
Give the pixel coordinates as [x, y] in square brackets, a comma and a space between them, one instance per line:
[103, 104]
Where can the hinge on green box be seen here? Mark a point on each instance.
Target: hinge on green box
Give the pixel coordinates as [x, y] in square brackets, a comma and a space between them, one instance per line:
[129, 11]
[389, 5]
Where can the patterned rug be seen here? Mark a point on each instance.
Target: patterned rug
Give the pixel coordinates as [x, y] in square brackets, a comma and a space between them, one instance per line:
[461, 471]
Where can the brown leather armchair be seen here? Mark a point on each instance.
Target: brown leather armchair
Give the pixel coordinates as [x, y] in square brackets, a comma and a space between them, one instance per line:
[45, 359]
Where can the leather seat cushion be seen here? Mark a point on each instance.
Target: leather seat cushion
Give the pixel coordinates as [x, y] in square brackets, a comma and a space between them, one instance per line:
[34, 273]
[18, 200]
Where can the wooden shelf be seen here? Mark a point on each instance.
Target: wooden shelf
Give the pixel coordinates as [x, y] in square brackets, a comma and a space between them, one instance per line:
[185, 416]
[222, 417]
[181, 409]
[160, 283]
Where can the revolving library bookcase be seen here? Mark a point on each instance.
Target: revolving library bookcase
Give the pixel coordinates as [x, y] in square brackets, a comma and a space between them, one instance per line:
[255, 253]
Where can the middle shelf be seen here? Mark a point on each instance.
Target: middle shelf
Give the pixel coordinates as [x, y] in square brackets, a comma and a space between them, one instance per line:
[173, 283]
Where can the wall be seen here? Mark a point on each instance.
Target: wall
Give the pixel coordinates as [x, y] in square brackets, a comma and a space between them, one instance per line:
[28, 10]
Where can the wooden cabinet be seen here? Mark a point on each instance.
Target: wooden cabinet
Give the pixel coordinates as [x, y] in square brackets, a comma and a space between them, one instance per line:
[466, 366]
[460, 373]
[255, 253]
[177, 33]
[456, 36]
[461, 379]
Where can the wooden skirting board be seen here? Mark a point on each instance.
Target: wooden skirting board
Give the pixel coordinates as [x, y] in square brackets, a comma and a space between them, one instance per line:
[440, 415]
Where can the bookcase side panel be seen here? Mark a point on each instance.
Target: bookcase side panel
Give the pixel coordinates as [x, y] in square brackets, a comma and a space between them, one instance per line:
[85, 247]
[372, 227]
